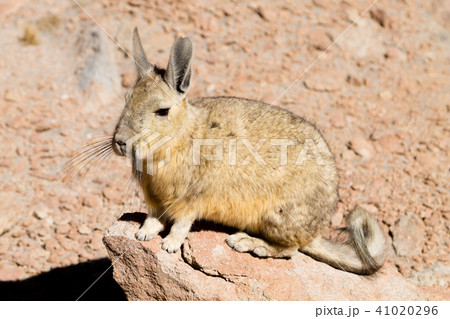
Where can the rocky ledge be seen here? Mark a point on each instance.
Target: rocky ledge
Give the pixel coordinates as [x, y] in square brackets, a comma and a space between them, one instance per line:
[207, 269]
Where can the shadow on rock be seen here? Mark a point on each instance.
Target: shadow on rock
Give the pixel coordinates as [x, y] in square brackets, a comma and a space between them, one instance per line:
[199, 225]
[66, 283]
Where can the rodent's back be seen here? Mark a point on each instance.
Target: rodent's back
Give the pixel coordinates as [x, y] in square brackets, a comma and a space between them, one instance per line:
[239, 118]
[244, 118]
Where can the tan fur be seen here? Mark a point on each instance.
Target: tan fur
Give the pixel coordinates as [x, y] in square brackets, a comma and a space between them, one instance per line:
[284, 206]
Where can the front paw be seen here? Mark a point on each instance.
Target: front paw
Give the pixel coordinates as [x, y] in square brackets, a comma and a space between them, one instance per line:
[144, 234]
[171, 244]
[150, 229]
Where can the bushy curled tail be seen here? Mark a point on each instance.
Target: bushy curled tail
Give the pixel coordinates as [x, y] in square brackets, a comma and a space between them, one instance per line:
[363, 254]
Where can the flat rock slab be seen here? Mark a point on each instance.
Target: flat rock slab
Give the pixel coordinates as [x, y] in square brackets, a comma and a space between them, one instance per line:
[207, 269]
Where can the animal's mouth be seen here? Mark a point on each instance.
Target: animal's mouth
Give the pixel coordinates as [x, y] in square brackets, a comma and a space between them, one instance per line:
[116, 146]
[122, 148]
[129, 152]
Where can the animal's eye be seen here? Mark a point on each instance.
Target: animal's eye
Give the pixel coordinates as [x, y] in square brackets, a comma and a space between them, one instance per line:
[162, 112]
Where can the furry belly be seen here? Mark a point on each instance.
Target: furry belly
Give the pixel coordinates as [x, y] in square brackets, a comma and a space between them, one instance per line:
[243, 215]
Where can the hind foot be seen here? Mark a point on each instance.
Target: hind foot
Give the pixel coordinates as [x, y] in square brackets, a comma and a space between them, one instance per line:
[243, 242]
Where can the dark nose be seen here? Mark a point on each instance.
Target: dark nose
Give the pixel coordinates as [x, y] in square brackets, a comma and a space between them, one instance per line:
[120, 147]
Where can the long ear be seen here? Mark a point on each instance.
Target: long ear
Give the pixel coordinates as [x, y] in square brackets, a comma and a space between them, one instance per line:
[140, 59]
[179, 71]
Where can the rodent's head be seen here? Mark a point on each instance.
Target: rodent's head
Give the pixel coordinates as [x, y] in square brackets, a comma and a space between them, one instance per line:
[157, 103]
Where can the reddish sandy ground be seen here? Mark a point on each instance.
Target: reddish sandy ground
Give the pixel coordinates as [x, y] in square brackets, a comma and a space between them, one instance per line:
[380, 95]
